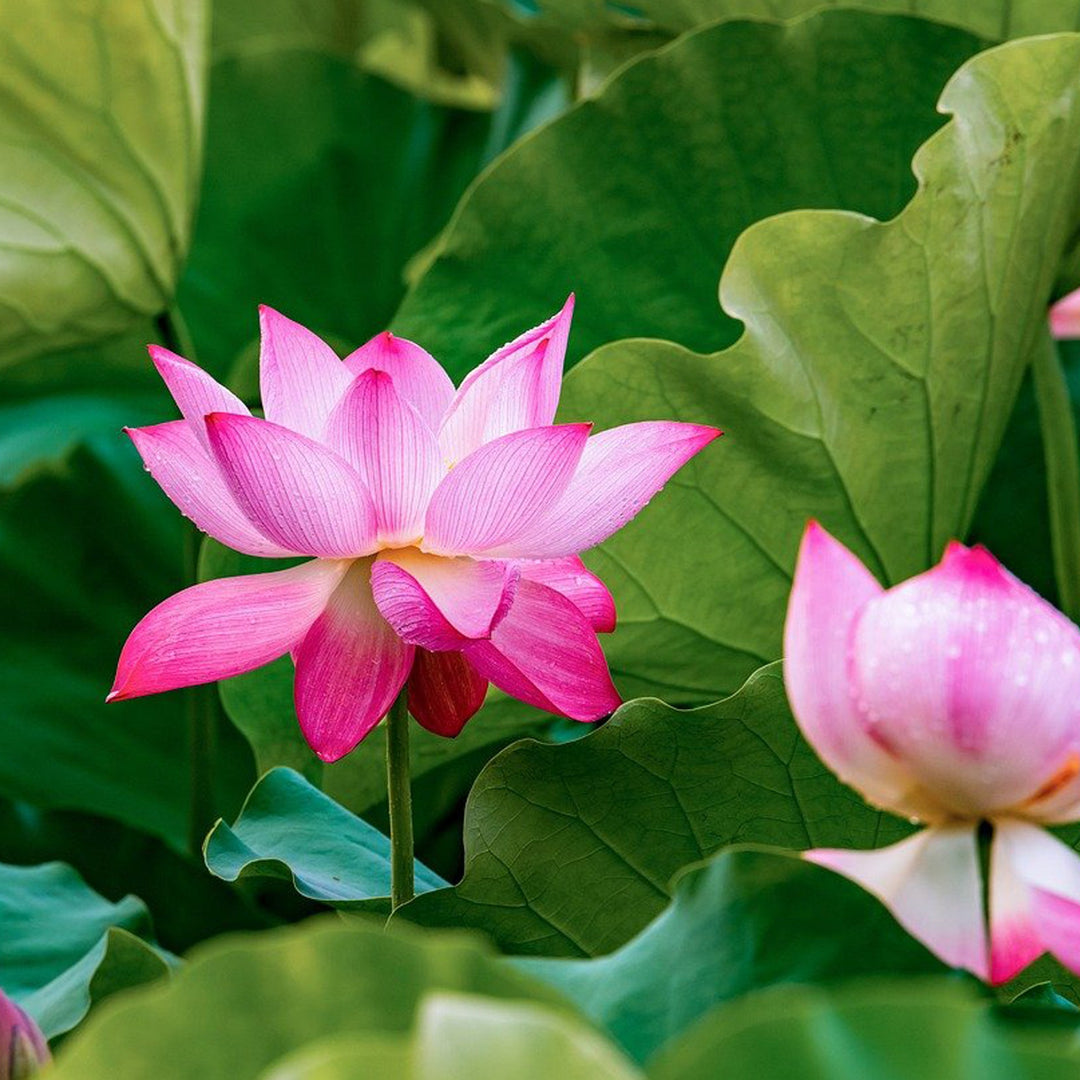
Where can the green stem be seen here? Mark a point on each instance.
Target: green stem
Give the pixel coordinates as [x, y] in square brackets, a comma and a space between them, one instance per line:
[201, 701]
[399, 796]
[1062, 471]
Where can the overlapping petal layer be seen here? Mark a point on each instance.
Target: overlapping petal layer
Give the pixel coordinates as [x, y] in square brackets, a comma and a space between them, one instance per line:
[445, 691]
[195, 392]
[619, 472]
[544, 652]
[300, 494]
[517, 387]
[349, 668]
[418, 376]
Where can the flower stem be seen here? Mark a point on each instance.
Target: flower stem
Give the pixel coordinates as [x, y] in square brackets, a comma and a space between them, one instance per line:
[1062, 471]
[399, 797]
[201, 701]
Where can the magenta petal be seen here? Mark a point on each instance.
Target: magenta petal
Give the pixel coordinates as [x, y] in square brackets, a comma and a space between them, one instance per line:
[300, 376]
[300, 494]
[223, 628]
[544, 652]
[1034, 899]
[501, 489]
[973, 680]
[931, 884]
[196, 394]
[1065, 317]
[517, 387]
[440, 603]
[394, 451]
[417, 375]
[445, 691]
[190, 477]
[619, 472]
[579, 585]
[831, 588]
[349, 668]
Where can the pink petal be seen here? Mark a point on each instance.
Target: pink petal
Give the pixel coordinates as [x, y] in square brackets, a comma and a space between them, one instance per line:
[619, 472]
[223, 628]
[300, 376]
[417, 375]
[1034, 899]
[1065, 317]
[931, 884]
[444, 692]
[582, 587]
[973, 680]
[441, 603]
[394, 451]
[349, 668]
[177, 461]
[500, 490]
[830, 588]
[517, 387]
[545, 653]
[297, 492]
[196, 394]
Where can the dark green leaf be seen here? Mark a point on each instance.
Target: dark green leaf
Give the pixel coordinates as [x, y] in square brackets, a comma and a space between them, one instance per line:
[626, 807]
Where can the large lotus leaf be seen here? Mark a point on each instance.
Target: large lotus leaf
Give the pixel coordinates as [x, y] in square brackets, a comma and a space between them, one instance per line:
[870, 390]
[101, 126]
[87, 546]
[322, 180]
[634, 198]
[626, 807]
[744, 920]
[932, 1029]
[289, 829]
[240, 1004]
[64, 947]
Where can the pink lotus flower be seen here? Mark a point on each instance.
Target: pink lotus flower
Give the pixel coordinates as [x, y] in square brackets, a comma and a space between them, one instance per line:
[444, 528]
[23, 1049]
[951, 699]
[1065, 317]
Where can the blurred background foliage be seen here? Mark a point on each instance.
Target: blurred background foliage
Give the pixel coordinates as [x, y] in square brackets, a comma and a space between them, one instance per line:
[453, 168]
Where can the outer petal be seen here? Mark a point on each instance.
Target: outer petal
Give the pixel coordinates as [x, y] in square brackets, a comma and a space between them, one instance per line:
[1034, 899]
[830, 588]
[445, 691]
[441, 603]
[1065, 317]
[349, 668]
[517, 387]
[301, 495]
[973, 680]
[619, 472]
[393, 449]
[500, 490]
[177, 461]
[417, 375]
[579, 585]
[544, 652]
[931, 884]
[223, 628]
[196, 394]
[300, 376]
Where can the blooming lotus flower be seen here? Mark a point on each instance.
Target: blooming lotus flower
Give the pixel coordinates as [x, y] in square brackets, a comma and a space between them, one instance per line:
[443, 530]
[951, 699]
[23, 1049]
[1065, 317]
